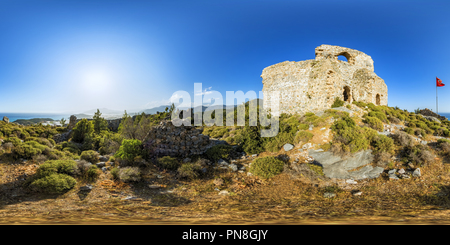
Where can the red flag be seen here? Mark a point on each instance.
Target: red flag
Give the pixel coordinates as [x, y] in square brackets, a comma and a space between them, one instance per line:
[439, 83]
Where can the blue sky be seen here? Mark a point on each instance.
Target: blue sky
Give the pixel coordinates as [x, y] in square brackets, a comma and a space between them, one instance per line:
[73, 56]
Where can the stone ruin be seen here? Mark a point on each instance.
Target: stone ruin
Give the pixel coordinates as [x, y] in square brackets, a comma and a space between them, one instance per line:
[313, 85]
[167, 139]
[182, 141]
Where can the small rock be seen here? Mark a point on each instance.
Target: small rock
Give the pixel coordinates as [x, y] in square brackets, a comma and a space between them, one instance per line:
[416, 173]
[307, 146]
[356, 193]
[233, 167]
[104, 169]
[288, 147]
[423, 142]
[100, 164]
[204, 170]
[222, 162]
[254, 155]
[241, 171]
[224, 193]
[310, 127]
[410, 165]
[249, 174]
[401, 171]
[218, 182]
[242, 168]
[86, 188]
[103, 159]
[350, 181]
[159, 176]
[405, 176]
[130, 198]
[393, 176]
[6, 119]
[154, 186]
[329, 195]
[322, 129]
[392, 171]
[216, 189]
[187, 159]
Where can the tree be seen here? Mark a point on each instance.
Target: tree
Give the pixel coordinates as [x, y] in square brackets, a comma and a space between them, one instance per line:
[63, 122]
[82, 130]
[99, 122]
[172, 107]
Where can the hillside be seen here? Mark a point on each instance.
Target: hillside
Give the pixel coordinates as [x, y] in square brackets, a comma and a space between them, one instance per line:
[32, 121]
[241, 177]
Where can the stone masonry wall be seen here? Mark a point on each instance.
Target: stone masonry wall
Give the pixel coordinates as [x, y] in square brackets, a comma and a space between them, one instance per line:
[313, 85]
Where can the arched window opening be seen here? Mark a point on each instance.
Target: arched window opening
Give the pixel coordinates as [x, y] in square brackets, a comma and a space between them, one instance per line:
[347, 94]
[378, 99]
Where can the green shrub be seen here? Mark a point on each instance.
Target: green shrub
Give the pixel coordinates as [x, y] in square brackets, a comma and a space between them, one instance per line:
[115, 173]
[303, 136]
[56, 166]
[129, 149]
[25, 151]
[169, 163]
[325, 147]
[402, 139]
[303, 126]
[92, 173]
[190, 170]
[274, 144]
[378, 114]
[409, 130]
[374, 123]
[218, 152]
[54, 183]
[382, 143]
[266, 167]
[14, 140]
[129, 174]
[81, 130]
[337, 103]
[252, 142]
[90, 156]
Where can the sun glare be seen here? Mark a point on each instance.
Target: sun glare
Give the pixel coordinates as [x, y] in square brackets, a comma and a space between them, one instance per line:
[96, 81]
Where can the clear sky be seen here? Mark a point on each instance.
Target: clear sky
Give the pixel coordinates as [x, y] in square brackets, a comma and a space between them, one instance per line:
[77, 55]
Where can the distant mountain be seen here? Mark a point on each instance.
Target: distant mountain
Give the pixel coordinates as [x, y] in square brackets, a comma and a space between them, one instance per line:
[154, 109]
[103, 111]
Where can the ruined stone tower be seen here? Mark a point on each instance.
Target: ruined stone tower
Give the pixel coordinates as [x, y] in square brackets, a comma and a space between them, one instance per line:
[313, 85]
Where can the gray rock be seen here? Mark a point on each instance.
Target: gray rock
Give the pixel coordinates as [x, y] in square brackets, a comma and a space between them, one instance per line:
[222, 162]
[288, 147]
[322, 129]
[423, 142]
[336, 167]
[307, 146]
[356, 192]
[100, 164]
[433, 119]
[103, 159]
[254, 155]
[393, 176]
[6, 119]
[224, 193]
[233, 167]
[86, 188]
[249, 174]
[392, 171]
[401, 171]
[350, 181]
[310, 127]
[416, 173]
[187, 159]
[329, 195]
[104, 169]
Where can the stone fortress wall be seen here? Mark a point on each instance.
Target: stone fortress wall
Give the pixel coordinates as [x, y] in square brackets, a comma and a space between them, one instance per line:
[313, 85]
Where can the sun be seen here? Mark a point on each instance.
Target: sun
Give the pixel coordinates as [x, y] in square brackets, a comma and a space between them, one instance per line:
[95, 81]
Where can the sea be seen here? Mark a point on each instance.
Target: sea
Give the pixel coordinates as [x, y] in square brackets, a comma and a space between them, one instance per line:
[14, 116]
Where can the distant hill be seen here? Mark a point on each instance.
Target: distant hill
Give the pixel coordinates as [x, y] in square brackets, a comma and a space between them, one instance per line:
[103, 111]
[32, 121]
[154, 110]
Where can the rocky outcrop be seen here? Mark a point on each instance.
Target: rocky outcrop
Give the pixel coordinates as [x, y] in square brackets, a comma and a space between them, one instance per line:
[313, 85]
[5, 119]
[430, 115]
[354, 167]
[72, 122]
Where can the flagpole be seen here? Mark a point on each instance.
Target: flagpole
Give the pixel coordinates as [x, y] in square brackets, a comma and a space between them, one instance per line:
[436, 100]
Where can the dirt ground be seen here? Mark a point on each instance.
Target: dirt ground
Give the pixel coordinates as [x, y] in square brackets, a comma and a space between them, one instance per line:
[285, 199]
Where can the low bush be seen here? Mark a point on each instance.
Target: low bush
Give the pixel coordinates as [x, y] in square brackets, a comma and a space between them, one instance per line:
[218, 152]
[56, 166]
[382, 143]
[190, 170]
[378, 114]
[54, 183]
[374, 123]
[90, 156]
[274, 144]
[266, 167]
[382, 158]
[418, 154]
[337, 103]
[129, 174]
[129, 149]
[115, 173]
[303, 136]
[402, 139]
[169, 163]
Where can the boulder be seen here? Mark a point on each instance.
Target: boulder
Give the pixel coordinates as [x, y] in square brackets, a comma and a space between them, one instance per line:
[288, 147]
[336, 167]
[6, 119]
